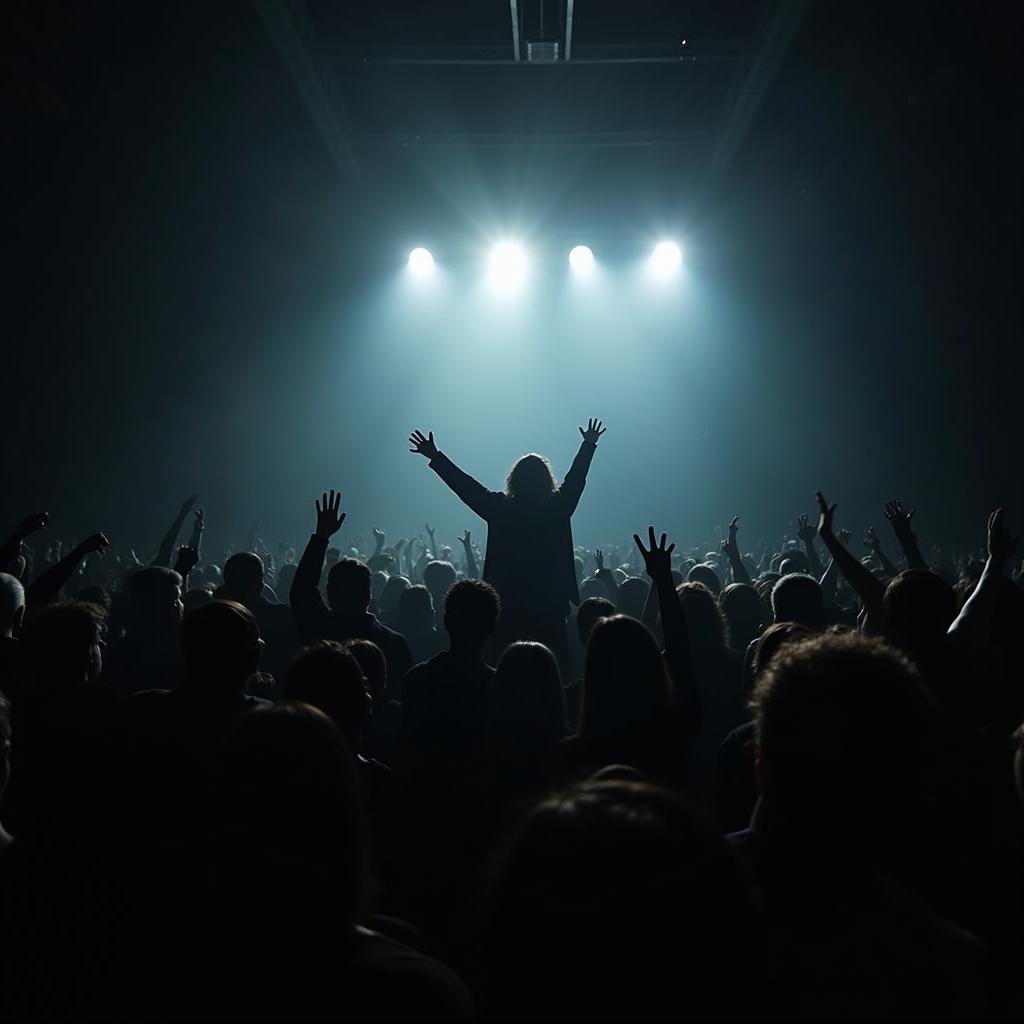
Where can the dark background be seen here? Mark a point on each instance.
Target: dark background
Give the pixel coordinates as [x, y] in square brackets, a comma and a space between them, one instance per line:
[201, 302]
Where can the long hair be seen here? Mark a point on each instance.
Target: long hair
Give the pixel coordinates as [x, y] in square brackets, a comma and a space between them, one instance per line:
[531, 478]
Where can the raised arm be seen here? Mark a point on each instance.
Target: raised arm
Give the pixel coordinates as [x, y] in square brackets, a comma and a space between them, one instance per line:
[49, 585]
[658, 561]
[198, 525]
[900, 520]
[11, 548]
[163, 556]
[472, 571]
[974, 623]
[732, 551]
[806, 533]
[308, 606]
[870, 590]
[472, 492]
[576, 479]
[874, 545]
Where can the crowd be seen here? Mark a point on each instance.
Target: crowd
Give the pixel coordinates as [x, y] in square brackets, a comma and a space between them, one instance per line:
[532, 780]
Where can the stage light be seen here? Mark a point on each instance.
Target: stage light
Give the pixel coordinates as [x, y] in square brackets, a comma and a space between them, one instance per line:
[665, 259]
[507, 266]
[581, 259]
[421, 263]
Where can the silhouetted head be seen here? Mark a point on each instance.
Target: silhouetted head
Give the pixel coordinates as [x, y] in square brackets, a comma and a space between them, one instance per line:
[795, 561]
[348, 587]
[632, 596]
[378, 581]
[531, 479]
[845, 735]
[745, 613]
[764, 585]
[705, 622]
[292, 822]
[415, 610]
[919, 608]
[471, 610]
[625, 683]
[243, 576]
[527, 707]
[614, 900]
[773, 639]
[388, 600]
[438, 576]
[590, 612]
[373, 663]
[196, 597]
[221, 645]
[63, 644]
[704, 573]
[12, 604]
[797, 598]
[156, 595]
[592, 588]
[328, 677]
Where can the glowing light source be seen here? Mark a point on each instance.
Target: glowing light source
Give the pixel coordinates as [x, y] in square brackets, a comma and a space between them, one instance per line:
[507, 266]
[665, 259]
[421, 263]
[581, 259]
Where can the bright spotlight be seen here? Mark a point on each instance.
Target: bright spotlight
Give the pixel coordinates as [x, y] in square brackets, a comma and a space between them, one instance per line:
[507, 265]
[665, 259]
[581, 259]
[421, 263]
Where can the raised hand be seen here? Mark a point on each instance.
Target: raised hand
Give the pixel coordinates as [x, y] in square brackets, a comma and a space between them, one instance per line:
[465, 539]
[871, 541]
[657, 558]
[423, 445]
[379, 536]
[97, 544]
[33, 523]
[1000, 544]
[899, 518]
[844, 536]
[729, 545]
[826, 513]
[804, 530]
[593, 432]
[599, 558]
[200, 518]
[188, 559]
[328, 521]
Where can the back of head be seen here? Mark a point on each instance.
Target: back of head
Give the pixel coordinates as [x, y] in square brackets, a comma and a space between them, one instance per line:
[62, 644]
[415, 609]
[919, 608]
[221, 645]
[744, 612]
[292, 816]
[348, 587]
[614, 899]
[704, 573]
[625, 683]
[797, 598]
[773, 639]
[372, 661]
[527, 707]
[328, 677]
[243, 575]
[471, 609]
[156, 595]
[530, 479]
[632, 595]
[795, 561]
[845, 735]
[705, 622]
[12, 603]
[590, 612]
[389, 598]
[438, 576]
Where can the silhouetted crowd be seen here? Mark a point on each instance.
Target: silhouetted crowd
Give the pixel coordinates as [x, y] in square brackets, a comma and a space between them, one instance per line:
[530, 780]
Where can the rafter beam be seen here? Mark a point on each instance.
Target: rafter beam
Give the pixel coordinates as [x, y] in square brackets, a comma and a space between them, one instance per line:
[514, 7]
[755, 83]
[287, 28]
[568, 30]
